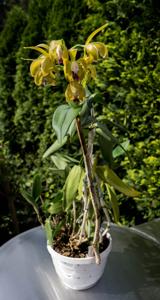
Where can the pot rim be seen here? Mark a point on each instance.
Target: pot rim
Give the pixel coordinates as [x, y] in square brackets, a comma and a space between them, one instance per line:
[80, 260]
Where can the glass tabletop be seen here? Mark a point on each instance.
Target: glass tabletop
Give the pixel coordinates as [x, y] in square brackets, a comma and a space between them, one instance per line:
[132, 271]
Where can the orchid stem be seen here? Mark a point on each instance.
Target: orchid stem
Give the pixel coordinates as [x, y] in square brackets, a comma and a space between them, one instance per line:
[92, 190]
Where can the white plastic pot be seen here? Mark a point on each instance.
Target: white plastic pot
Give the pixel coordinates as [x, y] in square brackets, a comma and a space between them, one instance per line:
[79, 273]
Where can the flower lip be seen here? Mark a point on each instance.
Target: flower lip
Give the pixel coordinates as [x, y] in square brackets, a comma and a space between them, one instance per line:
[59, 53]
[75, 69]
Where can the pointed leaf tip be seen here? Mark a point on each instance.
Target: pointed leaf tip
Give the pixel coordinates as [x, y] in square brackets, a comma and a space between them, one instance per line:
[109, 176]
[37, 187]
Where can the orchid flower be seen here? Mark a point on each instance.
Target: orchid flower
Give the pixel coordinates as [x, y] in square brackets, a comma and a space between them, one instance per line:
[78, 72]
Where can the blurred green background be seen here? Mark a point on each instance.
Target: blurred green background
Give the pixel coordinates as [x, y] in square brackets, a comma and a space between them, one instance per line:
[129, 82]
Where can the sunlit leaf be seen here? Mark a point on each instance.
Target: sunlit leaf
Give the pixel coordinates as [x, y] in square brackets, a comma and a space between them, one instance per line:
[121, 149]
[109, 176]
[72, 184]
[60, 161]
[114, 202]
[72, 129]
[62, 119]
[80, 186]
[53, 148]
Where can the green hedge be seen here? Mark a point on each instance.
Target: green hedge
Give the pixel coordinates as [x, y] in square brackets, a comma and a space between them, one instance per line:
[130, 85]
[128, 81]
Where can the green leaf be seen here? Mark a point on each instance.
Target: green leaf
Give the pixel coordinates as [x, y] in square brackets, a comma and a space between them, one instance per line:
[121, 149]
[96, 97]
[28, 197]
[109, 176]
[61, 173]
[114, 203]
[106, 147]
[72, 184]
[62, 161]
[53, 148]
[72, 129]
[103, 131]
[80, 186]
[37, 187]
[106, 142]
[62, 119]
[48, 231]
[56, 206]
[58, 228]
[70, 159]
[85, 114]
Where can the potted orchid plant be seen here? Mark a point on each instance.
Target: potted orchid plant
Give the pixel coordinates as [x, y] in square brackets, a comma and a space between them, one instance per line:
[77, 221]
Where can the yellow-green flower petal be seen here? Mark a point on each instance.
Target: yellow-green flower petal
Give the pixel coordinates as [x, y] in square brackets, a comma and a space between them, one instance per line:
[67, 70]
[75, 92]
[49, 79]
[102, 49]
[58, 50]
[68, 93]
[77, 69]
[92, 71]
[46, 66]
[35, 66]
[72, 54]
[92, 35]
[38, 78]
[74, 70]
[42, 51]
[45, 46]
[92, 52]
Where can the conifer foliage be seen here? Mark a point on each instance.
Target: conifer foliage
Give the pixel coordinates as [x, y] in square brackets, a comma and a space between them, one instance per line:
[130, 88]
